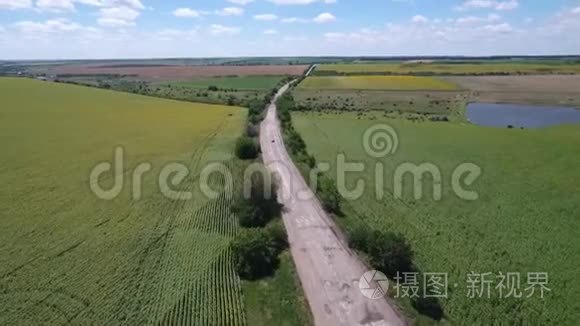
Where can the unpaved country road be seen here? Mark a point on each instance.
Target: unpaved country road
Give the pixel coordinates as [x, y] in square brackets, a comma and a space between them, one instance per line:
[329, 271]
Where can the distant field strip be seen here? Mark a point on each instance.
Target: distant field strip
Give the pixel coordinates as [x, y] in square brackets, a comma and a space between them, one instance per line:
[377, 83]
[241, 82]
[450, 69]
[67, 257]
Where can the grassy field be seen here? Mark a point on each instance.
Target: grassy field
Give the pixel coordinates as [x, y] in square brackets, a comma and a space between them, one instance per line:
[237, 82]
[525, 220]
[426, 104]
[67, 257]
[407, 83]
[469, 68]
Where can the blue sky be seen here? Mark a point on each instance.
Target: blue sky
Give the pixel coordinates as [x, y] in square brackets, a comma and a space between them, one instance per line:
[69, 29]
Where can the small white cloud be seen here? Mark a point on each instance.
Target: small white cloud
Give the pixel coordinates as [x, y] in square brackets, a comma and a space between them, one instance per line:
[419, 19]
[498, 28]
[217, 29]
[324, 18]
[15, 4]
[266, 17]
[294, 20]
[489, 4]
[230, 11]
[55, 5]
[49, 26]
[576, 10]
[187, 13]
[122, 16]
[292, 2]
[270, 32]
[241, 2]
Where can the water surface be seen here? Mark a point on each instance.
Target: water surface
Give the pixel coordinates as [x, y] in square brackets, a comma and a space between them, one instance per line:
[526, 116]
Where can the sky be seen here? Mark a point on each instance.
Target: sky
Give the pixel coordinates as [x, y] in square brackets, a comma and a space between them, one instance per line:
[100, 29]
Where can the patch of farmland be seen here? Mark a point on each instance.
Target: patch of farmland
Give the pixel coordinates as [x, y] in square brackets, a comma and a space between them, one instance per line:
[237, 82]
[543, 90]
[409, 83]
[67, 257]
[524, 221]
[447, 104]
[458, 68]
[167, 73]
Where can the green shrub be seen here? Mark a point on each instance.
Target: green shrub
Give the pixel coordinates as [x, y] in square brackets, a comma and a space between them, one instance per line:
[254, 254]
[329, 195]
[246, 148]
[260, 205]
[389, 252]
[278, 236]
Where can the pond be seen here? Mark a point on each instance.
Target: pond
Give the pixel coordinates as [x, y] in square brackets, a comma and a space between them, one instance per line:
[518, 116]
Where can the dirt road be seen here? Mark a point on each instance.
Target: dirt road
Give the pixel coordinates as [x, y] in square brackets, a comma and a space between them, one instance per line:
[329, 271]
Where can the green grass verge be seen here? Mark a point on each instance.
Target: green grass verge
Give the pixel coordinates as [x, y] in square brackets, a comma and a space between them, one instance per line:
[277, 300]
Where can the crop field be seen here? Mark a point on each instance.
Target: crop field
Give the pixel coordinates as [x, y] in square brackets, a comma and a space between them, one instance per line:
[468, 68]
[525, 219]
[168, 72]
[408, 83]
[542, 90]
[237, 82]
[67, 257]
[449, 104]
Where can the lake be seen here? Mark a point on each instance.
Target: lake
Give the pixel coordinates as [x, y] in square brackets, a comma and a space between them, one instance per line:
[526, 116]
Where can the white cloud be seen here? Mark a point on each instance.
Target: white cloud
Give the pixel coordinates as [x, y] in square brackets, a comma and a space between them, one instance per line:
[498, 28]
[300, 2]
[419, 19]
[324, 18]
[241, 2]
[267, 17]
[15, 4]
[477, 20]
[49, 26]
[270, 32]
[56, 5]
[294, 20]
[217, 29]
[188, 13]
[230, 11]
[489, 4]
[576, 10]
[118, 16]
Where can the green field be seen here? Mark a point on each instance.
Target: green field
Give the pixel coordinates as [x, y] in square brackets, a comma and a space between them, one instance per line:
[236, 82]
[403, 103]
[67, 257]
[406, 83]
[446, 68]
[525, 220]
